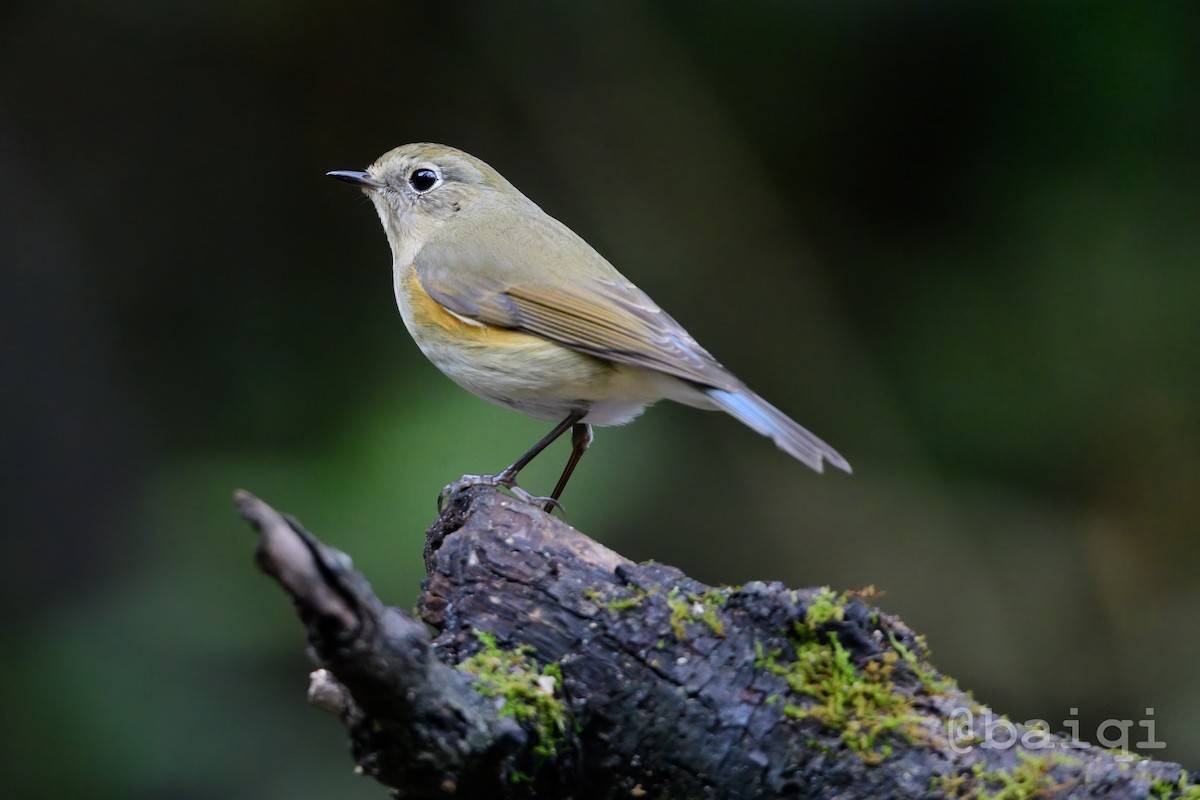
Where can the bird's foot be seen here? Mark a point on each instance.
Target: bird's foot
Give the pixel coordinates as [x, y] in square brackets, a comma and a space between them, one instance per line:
[466, 482]
[547, 504]
[504, 480]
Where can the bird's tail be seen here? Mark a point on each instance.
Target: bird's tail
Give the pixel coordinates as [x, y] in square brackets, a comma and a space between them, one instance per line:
[756, 413]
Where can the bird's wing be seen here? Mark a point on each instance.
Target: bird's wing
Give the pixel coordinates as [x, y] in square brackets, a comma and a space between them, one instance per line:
[570, 296]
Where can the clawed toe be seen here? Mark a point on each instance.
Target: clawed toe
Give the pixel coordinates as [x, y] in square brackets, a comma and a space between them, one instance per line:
[507, 481]
[548, 504]
[466, 482]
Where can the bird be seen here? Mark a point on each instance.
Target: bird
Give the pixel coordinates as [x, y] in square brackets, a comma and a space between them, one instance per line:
[515, 307]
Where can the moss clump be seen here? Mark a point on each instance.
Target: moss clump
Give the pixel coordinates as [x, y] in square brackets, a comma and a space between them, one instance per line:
[1031, 778]
[704, 608]
[528, 694]
[929, 678]
[861, 704]
[825, 606]
[1183, 789]
[617, 604]
[950, 785]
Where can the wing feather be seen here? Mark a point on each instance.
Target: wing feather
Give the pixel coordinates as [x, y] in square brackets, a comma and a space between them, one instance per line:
[570, 296]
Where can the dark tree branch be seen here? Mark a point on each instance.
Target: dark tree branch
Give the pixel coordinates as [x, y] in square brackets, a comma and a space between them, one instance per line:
[559, 668]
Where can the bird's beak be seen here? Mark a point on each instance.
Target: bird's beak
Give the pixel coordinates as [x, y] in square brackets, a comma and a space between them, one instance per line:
[360, 179]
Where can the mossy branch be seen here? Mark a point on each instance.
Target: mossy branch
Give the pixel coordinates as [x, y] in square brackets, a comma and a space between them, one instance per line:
[558, 668]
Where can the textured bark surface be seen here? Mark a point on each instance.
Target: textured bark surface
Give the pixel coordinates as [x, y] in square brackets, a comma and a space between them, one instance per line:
[558, 668]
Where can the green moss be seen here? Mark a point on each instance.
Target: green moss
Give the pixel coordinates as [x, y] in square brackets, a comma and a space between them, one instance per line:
[704, 608]
[1183, 789]
[680, 613]
[765, 660]
[529, 694]
[824, 607]
[862, 704]
[624, 603]
[617, 604]
[928, 676]
[1031, 778]
[950, 785]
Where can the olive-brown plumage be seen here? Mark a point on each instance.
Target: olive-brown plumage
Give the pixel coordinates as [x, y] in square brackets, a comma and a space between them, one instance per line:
[514, 306]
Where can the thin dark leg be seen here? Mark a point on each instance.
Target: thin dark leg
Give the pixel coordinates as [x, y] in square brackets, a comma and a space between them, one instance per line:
[510, 472]
[508, 477]
[581, 438]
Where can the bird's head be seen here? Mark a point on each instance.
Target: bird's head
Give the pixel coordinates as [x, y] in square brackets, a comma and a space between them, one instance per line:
[418, 187]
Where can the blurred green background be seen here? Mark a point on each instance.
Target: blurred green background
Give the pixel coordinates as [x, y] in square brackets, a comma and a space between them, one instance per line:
[958, 241]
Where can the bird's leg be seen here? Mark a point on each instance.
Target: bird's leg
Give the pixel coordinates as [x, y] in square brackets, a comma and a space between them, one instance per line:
[581, 438]
[508, 476]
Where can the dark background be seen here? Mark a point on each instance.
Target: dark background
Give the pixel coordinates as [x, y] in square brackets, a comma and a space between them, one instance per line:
[958, 241]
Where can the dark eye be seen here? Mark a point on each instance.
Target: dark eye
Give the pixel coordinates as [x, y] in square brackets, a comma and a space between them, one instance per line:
[423, 179]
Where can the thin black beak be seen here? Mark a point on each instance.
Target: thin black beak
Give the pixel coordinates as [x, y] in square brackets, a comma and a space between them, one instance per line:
[359, 179]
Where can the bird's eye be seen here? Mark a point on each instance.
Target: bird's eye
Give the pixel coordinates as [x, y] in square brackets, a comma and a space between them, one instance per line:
[423, 179]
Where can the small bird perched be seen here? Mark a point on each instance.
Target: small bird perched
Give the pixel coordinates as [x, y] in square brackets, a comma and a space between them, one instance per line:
[515, 307]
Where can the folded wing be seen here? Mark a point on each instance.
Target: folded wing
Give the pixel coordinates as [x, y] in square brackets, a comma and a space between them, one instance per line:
[573, 297]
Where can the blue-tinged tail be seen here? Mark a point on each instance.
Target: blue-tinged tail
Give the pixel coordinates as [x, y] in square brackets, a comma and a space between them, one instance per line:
[747, 407]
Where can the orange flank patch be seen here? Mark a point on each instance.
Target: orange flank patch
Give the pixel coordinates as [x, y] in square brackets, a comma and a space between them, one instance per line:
[429, 313]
